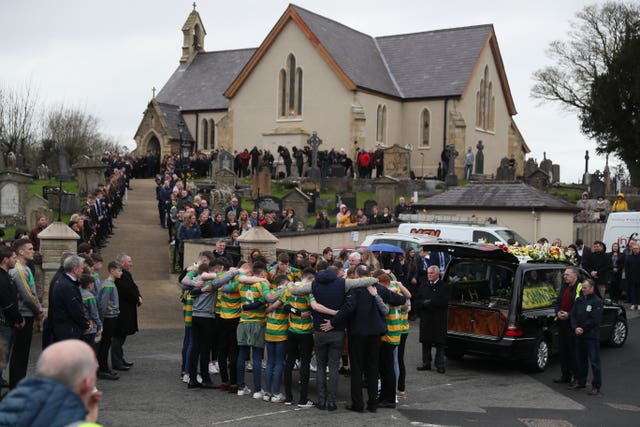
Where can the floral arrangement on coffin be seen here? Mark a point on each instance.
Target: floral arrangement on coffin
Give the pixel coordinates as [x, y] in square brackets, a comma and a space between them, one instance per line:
[538, 252]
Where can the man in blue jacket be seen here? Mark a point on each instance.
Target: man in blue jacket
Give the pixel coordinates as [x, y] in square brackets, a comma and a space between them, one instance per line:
[586, 316]
[61, 393]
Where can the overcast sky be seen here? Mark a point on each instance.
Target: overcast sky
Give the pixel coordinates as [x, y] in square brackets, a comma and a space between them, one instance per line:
[105, 56]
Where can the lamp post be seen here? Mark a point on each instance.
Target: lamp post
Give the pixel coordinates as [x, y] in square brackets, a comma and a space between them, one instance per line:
[185, 151]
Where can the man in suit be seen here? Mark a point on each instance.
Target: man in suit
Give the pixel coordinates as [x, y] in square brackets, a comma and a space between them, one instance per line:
[127, 323]
[66, 313]
[582, 252]
[433, 319]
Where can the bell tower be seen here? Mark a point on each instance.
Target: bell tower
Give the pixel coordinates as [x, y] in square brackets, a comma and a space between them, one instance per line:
[193, 36]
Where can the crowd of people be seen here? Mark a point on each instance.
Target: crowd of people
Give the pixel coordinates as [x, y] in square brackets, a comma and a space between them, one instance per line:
[351, 310]
[598, 209]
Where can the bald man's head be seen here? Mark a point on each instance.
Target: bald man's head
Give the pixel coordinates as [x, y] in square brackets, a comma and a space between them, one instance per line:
[71, 363]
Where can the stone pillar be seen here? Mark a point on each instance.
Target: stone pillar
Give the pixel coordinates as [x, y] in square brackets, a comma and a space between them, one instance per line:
[386, 188]
[258, 238]
[55, 240]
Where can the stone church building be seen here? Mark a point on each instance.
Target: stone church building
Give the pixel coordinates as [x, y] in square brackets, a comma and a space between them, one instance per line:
[421, 91]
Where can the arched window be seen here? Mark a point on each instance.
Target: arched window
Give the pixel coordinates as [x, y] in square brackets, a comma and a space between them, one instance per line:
[425, 127]
[485, 103]
[290, 89]
[381, 124]
[299, 97]
[283, 93]
[212, 134]
[205, 134]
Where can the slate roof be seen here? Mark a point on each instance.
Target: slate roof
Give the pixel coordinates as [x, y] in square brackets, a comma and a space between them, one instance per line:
[172, 117]
[356, 53]
[200, 84]
[496, 196]
[434, 63]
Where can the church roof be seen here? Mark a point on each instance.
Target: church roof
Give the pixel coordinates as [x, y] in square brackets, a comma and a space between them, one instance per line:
[172, 116]
[356, 53]
[434, 63]
[496, 196]
[200, 84]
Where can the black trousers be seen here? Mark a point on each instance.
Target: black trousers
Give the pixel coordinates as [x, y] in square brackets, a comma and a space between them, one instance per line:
[228, 350]
[298, 345]
[201, 334]
[387, 374]
[401, 365]
[108, 328]
[427, 357]
[567, 348]
[20, 354]
[117, 352]
[364, 351]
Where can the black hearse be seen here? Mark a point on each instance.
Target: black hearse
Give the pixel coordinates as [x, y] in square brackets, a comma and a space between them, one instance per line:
[502, 307]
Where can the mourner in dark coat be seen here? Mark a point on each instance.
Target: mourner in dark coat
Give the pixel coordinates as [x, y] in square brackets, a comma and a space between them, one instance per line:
[66, 312]
[127, 323]
[434, 297]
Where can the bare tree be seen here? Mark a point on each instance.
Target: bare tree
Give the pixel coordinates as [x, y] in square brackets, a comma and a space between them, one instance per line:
[18, 110]
[71, 130]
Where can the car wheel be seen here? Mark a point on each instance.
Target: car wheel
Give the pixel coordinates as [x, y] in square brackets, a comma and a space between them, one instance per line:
[619, 333]
[453, 354]
[540, 355]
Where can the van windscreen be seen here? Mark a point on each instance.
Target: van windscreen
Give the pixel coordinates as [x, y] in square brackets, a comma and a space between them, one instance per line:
[510, 236]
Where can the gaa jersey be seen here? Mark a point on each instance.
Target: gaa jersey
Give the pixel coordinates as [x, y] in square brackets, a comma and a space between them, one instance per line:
[187, 303]
[293, 274]
[252, 292]
[228, 304]
[394, 320]
[277, 324]
[298, 324]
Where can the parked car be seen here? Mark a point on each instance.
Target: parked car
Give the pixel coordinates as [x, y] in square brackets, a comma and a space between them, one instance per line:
[502, 307]
[402, 240]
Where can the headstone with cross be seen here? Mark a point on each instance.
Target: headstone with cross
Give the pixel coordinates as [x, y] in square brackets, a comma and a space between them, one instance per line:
[314, 172]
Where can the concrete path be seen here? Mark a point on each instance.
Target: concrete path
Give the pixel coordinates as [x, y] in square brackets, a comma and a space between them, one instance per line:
[139, 234]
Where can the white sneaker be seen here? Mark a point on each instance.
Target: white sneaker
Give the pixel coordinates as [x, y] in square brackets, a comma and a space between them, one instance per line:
[244, 392]
[199, 378]
[278, 398]
[212, 368]
[401, 395]
[185, 378]
[296, 366]
[249, 366]
[266, 397]
[312, 367]
[309, 404]
[216, 368]
[258, 395]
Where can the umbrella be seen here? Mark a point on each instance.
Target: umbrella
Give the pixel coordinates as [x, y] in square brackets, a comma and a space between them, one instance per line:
[385, 247]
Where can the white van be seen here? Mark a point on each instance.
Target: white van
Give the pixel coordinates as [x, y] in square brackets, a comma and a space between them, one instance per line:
[620, 228]
[463, 232]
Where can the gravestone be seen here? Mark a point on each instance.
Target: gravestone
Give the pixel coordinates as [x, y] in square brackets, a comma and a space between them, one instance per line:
[368, 206]
[90, 173]
[314, 173]
[36, 206]
[538, 179]
[505, 171]
[530, 167]
[309, 188]
[397, 162]
[225, 161]
[261, 182]
[597, 187]
[270, 204]
[70, 201]
[349, 198]
[14, 190]
[480, 158]
[64, 172]
[43, 172]
[299, 202]
[337, 171]
[547, 165]
[556, 173]
[225, 178]
[386, 189]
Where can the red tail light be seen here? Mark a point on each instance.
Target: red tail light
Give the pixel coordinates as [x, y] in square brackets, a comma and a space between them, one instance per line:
[513, 330]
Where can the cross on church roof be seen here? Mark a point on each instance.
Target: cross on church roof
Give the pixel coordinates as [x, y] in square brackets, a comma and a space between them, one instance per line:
[153, 89]
[194, 5]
